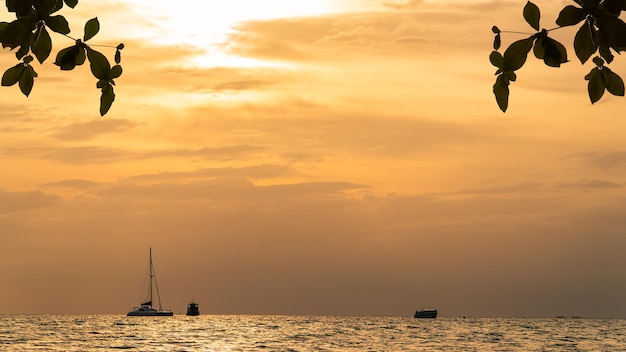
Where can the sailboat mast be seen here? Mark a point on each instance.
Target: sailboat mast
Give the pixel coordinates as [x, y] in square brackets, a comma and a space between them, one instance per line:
[151, 275]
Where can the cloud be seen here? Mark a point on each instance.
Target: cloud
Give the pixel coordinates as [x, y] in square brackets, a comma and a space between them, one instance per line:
[11, 202]
[73, 183]
[382, 33]
[93, 128]
[107, 155]
[256, 172]
[71, 155]
[592, 185]
[603, 160]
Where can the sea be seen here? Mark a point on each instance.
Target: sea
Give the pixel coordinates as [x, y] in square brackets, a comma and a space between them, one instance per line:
[306, 333]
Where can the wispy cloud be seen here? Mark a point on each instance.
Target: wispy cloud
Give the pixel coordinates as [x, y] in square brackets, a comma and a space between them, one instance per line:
[11, 202]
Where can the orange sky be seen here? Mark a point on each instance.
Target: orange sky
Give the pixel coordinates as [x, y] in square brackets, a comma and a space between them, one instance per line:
[313, 157]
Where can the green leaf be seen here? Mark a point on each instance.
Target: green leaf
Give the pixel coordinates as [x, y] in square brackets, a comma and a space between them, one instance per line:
[595, 86]
[27, 80]
[613, 82]
[42, 45]
[501, 91]
[58, 24]
[116, 71]
[516, 54]
[71, 3]
[532, 15]
[12, 75]
[92, 27]
[99, 64]
[106, 99]
[571, 15]
[585, 44]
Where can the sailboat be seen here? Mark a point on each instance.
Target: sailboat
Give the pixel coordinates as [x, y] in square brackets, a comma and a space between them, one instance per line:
[146, 309]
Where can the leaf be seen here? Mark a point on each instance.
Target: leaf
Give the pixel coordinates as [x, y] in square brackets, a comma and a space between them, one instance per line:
[516, 54]
[613, 82]
[532, 15]
[555, 53]
[604, 50]
[595, 86]
[70, 57]
[598, 61]
[23, 50]
[118, 56]
[549, 50]
[42, 45]
[590, 5]
[12, 75]
[501, 91]
[58, 24]
[585, 44]
[48, 6]
[17, 33]
[495, 29]
[613, 30]
[106, 99]
[27, 80]
[571, 15]
[497, 41]
[71, 3]
[66, 58]
[99, 64]
[538, 49]
[116, 71]
[496, 59]
[92, 27]
[613, 7]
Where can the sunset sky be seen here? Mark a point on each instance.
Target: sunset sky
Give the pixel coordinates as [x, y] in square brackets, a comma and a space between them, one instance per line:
[336, 157]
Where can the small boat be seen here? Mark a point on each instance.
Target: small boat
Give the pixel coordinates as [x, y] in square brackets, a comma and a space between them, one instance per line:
[192, 309]
[146, 309]
[426, 313]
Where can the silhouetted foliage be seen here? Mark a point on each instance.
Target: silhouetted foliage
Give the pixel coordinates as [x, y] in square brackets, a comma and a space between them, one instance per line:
[29, 34]
[601, 32]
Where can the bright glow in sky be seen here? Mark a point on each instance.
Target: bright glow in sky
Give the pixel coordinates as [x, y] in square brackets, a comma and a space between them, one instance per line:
[205, 23]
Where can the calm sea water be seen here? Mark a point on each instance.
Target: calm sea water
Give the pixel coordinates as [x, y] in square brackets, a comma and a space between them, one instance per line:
[306, 333]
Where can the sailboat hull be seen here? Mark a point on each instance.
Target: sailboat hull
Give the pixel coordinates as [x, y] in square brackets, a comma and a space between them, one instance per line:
[150, 312]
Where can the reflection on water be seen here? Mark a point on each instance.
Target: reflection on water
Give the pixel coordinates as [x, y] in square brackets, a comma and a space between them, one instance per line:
[306, 333]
